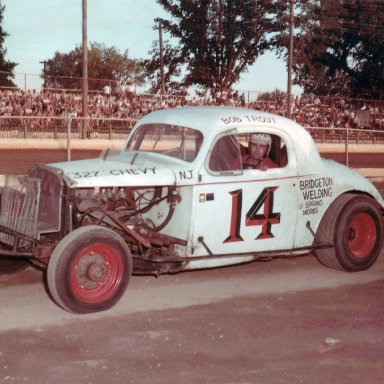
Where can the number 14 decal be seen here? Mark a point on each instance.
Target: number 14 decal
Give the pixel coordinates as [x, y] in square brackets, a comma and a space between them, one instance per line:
[261, 213]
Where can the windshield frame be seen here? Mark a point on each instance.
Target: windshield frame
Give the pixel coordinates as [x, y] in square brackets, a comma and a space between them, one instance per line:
[170, 140]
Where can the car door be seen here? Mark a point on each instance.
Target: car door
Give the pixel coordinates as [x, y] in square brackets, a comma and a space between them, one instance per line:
[245, 211]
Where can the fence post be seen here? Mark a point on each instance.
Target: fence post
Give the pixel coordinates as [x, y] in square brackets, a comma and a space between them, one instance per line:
[69, 125]
[26, 129]
[55, 130]
[346, 145]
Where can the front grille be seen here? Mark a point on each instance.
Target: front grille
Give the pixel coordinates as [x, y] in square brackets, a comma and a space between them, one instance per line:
[19, 207]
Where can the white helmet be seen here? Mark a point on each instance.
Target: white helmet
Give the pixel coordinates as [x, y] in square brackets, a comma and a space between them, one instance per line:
[261, 138]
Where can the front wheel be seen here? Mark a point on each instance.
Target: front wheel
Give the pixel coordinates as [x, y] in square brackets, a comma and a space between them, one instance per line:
[89, 270]
[354, 227]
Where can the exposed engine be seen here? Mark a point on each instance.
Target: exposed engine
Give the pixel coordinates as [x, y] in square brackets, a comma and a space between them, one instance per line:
[110, 199]
[128, 204]
[40, 209]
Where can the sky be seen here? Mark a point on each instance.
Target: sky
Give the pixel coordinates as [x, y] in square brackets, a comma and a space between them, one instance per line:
[39, 28]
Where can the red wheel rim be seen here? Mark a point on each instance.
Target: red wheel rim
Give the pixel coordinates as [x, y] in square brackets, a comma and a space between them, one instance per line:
[96, 273]
[362, 234]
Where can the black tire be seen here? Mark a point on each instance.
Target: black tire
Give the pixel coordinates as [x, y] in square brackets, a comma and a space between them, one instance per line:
[10, 265]
[354, 226]
[89, 270]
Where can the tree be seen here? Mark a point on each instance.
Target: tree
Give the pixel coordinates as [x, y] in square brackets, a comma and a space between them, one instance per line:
[272, 96]
[172, 70]
[105, 65]
[215, 41]
[6, 67]
[339, 47]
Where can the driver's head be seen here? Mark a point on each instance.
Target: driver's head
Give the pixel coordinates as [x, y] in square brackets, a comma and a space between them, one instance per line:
[259, 145]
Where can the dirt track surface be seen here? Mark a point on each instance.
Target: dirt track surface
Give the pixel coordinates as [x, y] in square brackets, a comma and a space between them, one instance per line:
[284, 321]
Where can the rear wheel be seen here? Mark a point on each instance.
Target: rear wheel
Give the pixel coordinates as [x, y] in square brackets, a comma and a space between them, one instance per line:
[89, 270]
[353, 225]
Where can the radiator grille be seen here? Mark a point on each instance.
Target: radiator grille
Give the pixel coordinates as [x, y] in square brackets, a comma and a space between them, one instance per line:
[19, 207]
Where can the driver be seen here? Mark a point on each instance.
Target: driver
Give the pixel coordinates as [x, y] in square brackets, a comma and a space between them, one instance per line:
[259, 146]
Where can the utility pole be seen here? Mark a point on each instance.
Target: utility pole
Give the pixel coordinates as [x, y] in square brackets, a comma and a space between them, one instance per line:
[161, 58]
[85, 70]
[290, 54]
[44, 62]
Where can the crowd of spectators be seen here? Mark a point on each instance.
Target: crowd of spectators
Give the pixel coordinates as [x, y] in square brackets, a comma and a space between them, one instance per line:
[307, 110]
[70, 104]
[311, 111]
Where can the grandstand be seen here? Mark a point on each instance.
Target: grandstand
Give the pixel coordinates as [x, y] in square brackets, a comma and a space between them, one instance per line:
[52, 113]
[307, 110]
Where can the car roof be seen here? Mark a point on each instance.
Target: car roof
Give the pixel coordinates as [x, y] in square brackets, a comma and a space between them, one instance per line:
[216, 119]
[213, 120]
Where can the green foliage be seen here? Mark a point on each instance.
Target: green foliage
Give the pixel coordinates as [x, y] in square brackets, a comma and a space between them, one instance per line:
[339, 47]
[215, 41]
[272, 96]
[104, 63]
[172, 70]
[6, 67]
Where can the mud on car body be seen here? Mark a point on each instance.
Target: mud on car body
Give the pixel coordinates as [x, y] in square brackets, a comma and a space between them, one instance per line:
[178, 197]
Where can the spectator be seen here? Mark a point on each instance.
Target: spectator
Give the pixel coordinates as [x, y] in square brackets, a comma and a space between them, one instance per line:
[242, 100]
[107, 90]
[131, 90]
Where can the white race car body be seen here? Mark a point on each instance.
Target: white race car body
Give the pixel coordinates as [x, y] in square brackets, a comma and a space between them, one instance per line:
[216, 208]
[180, 196]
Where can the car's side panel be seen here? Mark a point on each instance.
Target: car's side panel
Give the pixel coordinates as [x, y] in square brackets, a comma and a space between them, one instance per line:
[317, 190]
[246, 213]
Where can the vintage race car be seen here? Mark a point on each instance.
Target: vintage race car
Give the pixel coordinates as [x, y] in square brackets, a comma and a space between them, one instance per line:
[179, 196]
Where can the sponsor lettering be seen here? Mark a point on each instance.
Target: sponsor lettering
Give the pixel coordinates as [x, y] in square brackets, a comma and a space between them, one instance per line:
[313, 192]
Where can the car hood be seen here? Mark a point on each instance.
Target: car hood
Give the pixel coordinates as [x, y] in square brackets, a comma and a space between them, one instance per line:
[102, 173]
